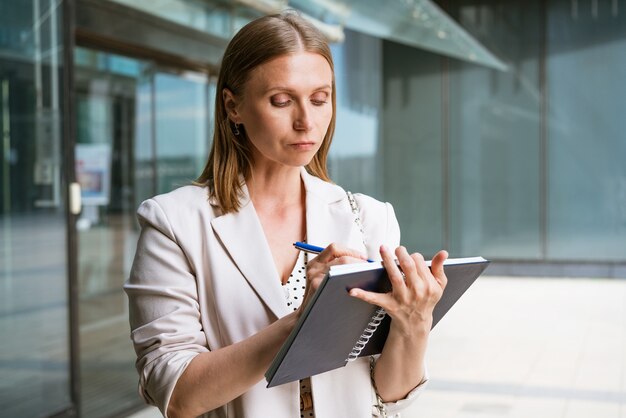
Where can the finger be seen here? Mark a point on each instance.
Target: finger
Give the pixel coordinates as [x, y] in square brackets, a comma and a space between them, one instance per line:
[384, 300]
[335, 251]
[311, 288]
[346, 259]
[393, 272]
[407, 264]
[317, 270]
[436, 267]
[314, 270]
[314, 284]
[420, 265]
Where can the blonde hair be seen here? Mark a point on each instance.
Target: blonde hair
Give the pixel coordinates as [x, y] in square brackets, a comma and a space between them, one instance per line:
[256, 43]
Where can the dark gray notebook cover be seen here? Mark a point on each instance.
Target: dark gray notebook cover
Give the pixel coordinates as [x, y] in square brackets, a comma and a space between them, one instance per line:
[333, 321]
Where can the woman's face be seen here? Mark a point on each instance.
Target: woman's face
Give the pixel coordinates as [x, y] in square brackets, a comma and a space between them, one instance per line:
[286, 107]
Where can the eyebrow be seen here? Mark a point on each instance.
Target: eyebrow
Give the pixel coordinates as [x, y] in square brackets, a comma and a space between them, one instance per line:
[290, 90]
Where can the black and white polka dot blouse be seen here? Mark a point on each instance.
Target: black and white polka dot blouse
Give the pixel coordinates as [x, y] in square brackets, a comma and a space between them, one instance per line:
[294, 293]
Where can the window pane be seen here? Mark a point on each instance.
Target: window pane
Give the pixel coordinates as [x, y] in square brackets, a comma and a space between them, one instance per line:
[352, 160]
[412, 145]
[495, 137]
[34, 347]
[182, 109]
[108, 92]
[586, 64]
[198, 14]
[140, 131]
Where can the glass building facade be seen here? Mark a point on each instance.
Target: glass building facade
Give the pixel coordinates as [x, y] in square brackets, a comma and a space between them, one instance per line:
[35, 357]
[522, 163]
[523, 166]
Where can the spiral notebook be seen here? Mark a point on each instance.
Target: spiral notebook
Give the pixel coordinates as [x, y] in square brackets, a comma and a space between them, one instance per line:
[336, 328]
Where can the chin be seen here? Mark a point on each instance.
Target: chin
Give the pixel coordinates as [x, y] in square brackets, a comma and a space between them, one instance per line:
[307, 161]
[300, 162]
[303, 163]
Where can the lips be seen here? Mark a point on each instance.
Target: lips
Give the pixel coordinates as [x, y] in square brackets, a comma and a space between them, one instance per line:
[304, 145]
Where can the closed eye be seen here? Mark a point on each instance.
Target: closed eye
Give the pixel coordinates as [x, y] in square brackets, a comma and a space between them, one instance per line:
[281, 104]
[319, 98]
[280, 100]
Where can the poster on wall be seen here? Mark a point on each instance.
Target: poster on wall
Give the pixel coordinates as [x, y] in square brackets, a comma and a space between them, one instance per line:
[93, 173]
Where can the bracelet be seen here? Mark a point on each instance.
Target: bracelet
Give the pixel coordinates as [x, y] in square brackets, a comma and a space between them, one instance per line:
[382, 410]
[306, 401]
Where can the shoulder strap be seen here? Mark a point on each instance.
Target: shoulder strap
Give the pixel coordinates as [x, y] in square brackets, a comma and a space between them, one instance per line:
[357, 215]
[374, 323]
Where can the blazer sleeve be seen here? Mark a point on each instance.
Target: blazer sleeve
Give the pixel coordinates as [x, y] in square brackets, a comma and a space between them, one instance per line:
[164, 311]
[380, 225]
[392, 239]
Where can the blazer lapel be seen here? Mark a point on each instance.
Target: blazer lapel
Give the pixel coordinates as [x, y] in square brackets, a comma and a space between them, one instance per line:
[328, 219]
[242, 235]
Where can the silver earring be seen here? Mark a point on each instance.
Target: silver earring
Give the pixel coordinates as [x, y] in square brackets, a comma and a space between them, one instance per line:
[236, 131]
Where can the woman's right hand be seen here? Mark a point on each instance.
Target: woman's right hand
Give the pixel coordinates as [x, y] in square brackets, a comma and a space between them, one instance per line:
[318, 267]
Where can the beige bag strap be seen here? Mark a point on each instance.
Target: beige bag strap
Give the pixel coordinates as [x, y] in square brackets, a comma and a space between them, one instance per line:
[357, 215]
[379, 404]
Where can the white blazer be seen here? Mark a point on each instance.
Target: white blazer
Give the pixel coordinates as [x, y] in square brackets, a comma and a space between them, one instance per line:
[202, 280]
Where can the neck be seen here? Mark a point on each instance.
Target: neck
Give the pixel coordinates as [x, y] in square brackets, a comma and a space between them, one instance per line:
[280, 186]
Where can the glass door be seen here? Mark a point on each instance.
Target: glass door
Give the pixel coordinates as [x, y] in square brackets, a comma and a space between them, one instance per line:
[141, 130]
[34, 307]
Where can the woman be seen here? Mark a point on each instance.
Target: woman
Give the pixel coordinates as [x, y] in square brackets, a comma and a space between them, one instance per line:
[214, 286]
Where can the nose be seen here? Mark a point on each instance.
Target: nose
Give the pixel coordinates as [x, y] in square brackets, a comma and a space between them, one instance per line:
[302, 119]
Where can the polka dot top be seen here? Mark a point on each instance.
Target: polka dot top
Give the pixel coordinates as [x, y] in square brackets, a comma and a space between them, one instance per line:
[295, 286]
[294, 293]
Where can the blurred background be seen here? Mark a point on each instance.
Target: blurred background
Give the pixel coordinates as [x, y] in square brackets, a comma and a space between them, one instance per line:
[496, 128]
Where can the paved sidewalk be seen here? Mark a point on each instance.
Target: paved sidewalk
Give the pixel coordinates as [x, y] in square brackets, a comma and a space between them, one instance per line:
[528, 348]
[149, 412]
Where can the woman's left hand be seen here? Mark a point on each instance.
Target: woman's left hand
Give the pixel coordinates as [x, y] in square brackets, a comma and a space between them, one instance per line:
[415, 291]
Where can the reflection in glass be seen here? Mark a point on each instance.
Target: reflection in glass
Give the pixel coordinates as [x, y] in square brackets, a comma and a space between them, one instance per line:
[34, 352]
[412, 146]
[587, 171]
[206, 16]
[140, 131]
[462, 142]
[353, 160]
[495, 138]
[523, 165]
[105, 104]
[418, 23]
[181, 128]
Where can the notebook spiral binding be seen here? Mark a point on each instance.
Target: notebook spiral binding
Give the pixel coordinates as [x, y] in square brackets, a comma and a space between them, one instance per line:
[369, 331]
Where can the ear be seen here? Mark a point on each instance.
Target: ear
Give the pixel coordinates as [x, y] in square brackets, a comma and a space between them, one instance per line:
[230, 104]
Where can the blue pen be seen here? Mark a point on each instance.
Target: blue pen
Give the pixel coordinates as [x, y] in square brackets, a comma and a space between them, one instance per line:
[313, 249]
